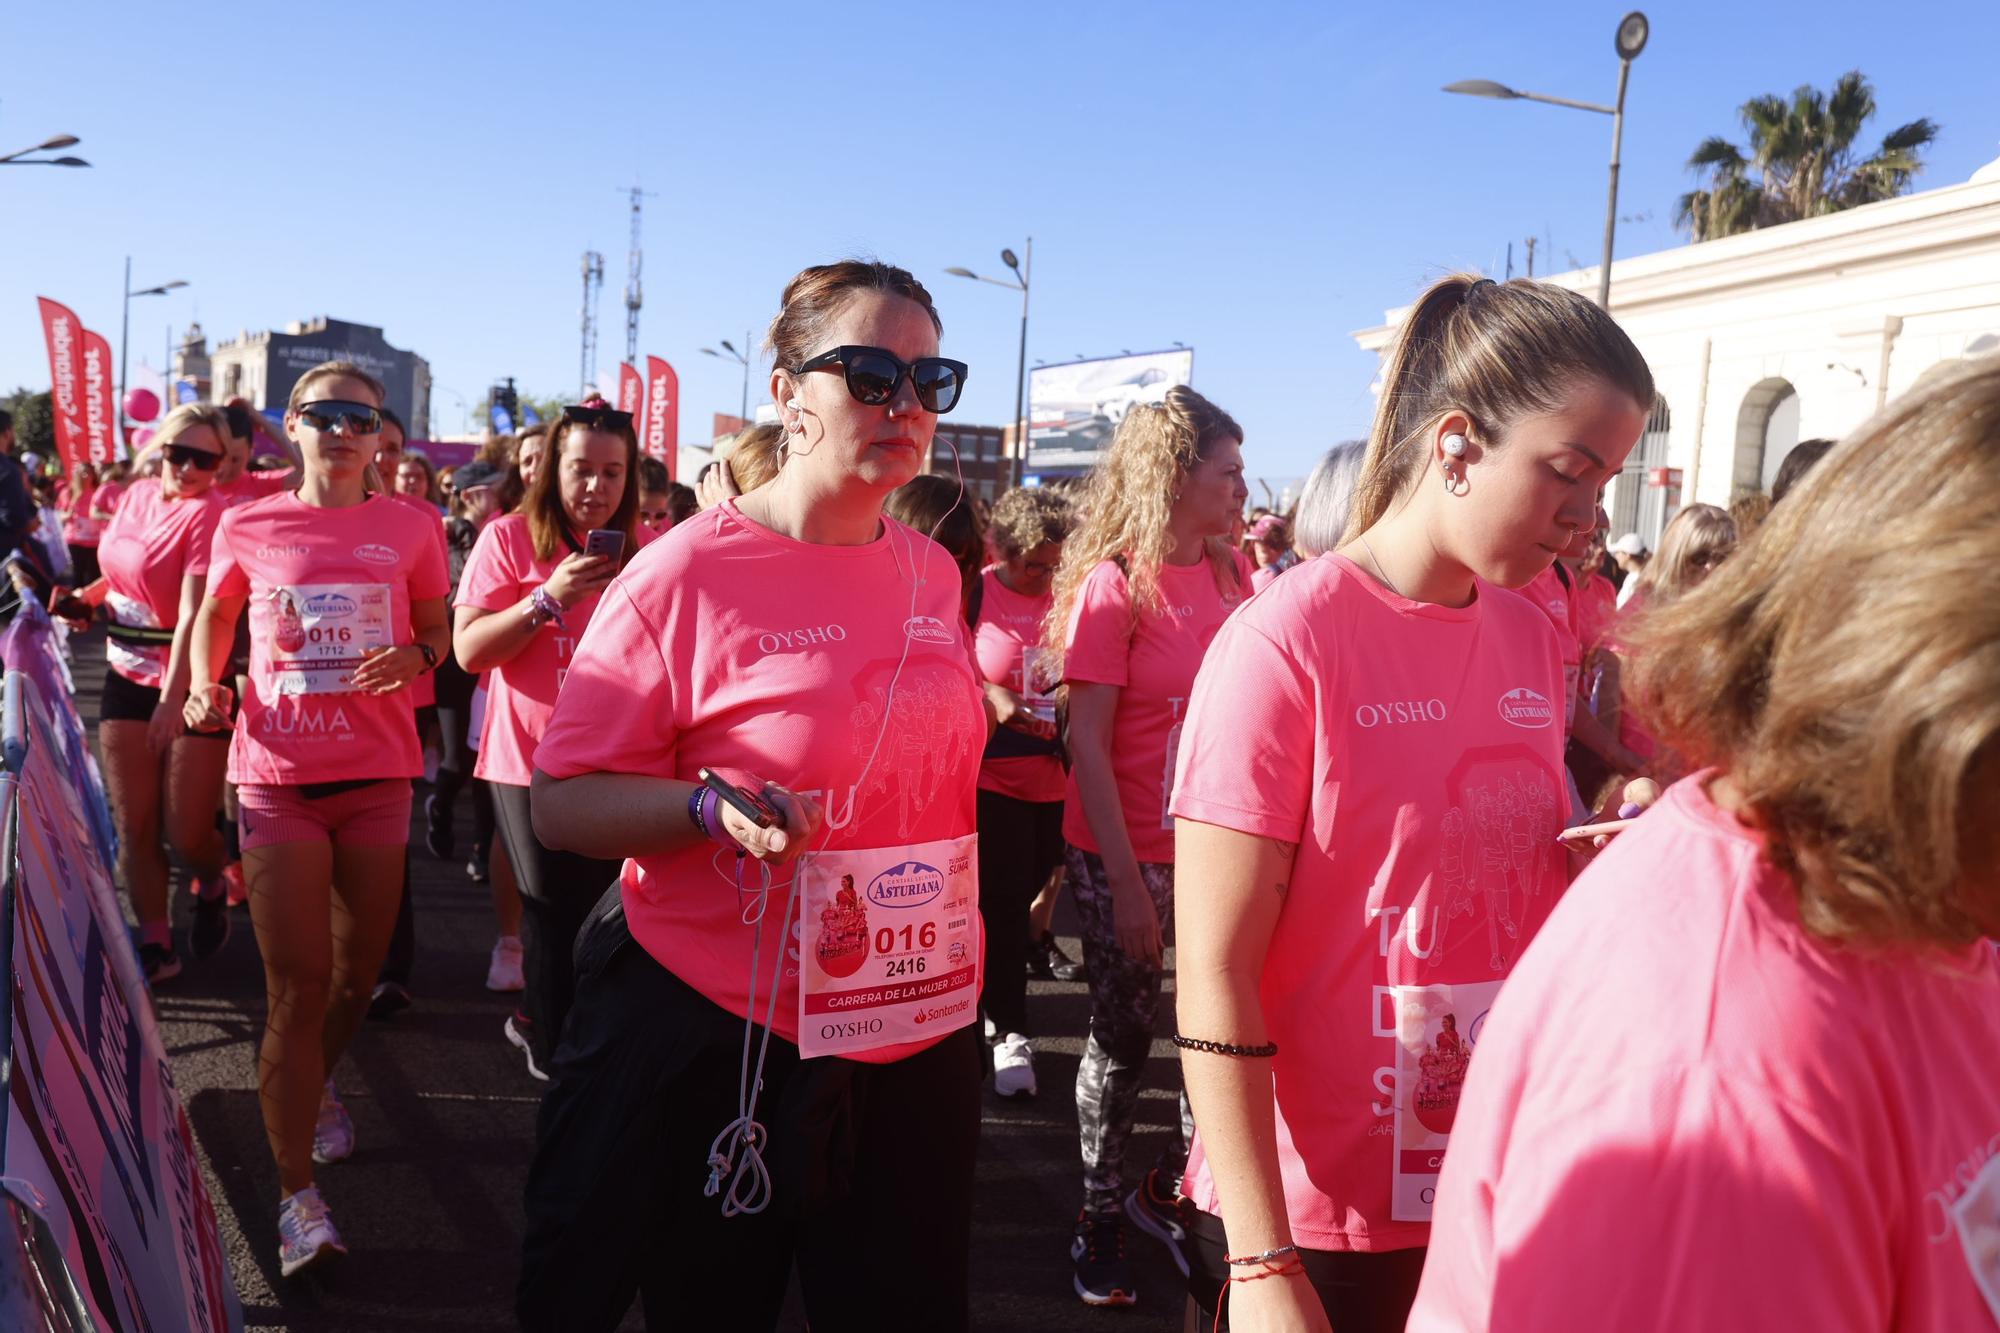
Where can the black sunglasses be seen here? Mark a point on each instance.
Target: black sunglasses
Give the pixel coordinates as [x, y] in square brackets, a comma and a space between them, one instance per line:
[183, 455]
[361, 418]
[873, 374]
[598, 418]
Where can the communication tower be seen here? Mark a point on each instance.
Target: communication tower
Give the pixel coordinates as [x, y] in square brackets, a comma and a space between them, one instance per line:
[633, 262]
[593, 287]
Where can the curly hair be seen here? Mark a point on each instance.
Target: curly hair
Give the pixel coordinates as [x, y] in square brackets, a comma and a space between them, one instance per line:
[1128, 504]
[1843, 668]
[1027, 517]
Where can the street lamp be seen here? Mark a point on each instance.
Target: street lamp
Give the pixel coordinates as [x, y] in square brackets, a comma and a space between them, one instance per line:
[1633, 30]
[125, 326]
[741, 359]
[1020, 283]
[464, 408]
[21, 158]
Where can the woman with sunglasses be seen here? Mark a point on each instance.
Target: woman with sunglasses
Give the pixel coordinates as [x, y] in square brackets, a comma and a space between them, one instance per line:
[155, 558]
[1146, 580]
[345, 591]
[810, 653]
[524, 600]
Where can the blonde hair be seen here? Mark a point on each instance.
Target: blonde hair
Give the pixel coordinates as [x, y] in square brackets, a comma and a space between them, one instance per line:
[1844, 669]
[1700, 535]
[191, 414]
[753, 456]
[327, 370]
[1128, 505]
[1496, 352]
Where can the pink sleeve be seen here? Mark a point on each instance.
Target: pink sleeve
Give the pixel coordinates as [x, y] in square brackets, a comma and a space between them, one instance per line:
[616, 708]
[430, 578]
[225, 577]
[1633, 1220]
[201, 539]
[1100, 629]
[490, 579]
[1247, 747]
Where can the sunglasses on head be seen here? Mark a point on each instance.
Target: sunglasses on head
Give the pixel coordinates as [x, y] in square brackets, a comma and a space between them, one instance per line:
[873, 376]
[598, 418]
[185, 455]
[359, 418]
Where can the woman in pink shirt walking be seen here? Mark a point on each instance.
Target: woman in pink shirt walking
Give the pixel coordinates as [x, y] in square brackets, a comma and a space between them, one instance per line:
[1146, 580]
[1748, 1077]
[345, 590]
[1370, 792]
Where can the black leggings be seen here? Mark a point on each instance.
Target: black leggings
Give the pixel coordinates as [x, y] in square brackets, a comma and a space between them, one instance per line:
[872, 1168]
[455, 755]
[1020, 844]
[557, 891]
[1361, 1293]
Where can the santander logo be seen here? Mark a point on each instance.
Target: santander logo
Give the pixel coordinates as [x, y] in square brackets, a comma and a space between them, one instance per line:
[1523, 707]
[376, 554]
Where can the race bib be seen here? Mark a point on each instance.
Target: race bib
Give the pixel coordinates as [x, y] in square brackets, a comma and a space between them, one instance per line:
[1038, 682]
[1436, 1029]
[320, 632]
[888, 945]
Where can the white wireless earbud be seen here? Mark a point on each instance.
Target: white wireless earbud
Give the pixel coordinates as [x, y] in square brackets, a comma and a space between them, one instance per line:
[793, 403]
[1454, 445]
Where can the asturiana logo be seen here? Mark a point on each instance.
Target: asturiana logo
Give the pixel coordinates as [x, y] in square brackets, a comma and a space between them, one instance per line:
[329, 605]
[927, 629]
[911, 884]
[1522, 707]
[378, 555]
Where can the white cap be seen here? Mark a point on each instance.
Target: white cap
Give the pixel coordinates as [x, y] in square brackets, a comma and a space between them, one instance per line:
[1630, 544]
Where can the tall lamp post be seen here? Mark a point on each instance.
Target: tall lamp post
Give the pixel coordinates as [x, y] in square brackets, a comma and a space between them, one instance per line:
[1020, 283]
[125, 328]
[21, 158]
[742, 359]
[1633, 31]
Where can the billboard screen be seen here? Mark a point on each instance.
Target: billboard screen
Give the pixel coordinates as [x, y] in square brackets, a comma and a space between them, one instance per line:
[1074, 408]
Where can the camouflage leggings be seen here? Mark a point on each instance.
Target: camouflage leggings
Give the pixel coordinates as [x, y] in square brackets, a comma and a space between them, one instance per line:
[1124, 1003]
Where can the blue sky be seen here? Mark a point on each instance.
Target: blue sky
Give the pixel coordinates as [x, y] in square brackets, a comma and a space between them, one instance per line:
[1255, 180]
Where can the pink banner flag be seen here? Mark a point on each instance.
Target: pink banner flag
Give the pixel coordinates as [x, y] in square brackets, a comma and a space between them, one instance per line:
[631, 390]
[100, 414]
[64, 334]
[661, 435]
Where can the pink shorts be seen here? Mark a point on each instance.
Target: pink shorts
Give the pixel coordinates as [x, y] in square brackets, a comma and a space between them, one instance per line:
[374, 815]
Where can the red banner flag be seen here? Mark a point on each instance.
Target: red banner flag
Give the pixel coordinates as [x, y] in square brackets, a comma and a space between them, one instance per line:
[631, 390]
[64, 334]
[100, 414]
[662, 436]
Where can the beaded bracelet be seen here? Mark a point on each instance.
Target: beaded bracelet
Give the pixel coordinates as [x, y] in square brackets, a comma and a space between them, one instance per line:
[1269, 1048]
[1264, 1258]
[543, 608]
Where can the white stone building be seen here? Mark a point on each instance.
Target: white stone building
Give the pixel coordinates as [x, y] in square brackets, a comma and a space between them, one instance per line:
[1760, 340]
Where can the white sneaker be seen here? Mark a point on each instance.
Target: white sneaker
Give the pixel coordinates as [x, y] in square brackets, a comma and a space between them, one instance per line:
[333, 1132]
[503, 973]
[1014, 1067]
[305, 1231]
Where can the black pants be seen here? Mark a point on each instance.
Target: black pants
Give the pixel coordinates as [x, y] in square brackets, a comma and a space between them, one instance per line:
[83, 566]
[872, 1168]
[1020, 845]
[1361, 1293]
[557, 891]
[454, 713]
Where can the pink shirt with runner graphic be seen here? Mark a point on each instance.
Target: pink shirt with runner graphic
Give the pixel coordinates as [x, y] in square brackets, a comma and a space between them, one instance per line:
[1009, 634]
[148, 547]
[1152, 655]
[1413, 752]
[282, 542]
[521, 692]
[1686, 1110]
[728, 646]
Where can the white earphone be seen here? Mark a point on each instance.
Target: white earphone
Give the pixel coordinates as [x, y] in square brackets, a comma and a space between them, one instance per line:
[1454, 444]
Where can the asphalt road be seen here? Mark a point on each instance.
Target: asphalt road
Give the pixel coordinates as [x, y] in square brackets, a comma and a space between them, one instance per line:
[430, 1203]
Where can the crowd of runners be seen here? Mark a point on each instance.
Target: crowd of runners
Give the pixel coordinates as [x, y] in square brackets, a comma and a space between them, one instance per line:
[778, 779]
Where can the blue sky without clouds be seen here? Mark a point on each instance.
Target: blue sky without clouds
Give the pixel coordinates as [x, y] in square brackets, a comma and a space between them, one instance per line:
[1255, 179]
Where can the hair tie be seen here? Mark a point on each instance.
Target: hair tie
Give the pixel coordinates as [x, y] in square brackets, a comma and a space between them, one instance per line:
[1473, 290]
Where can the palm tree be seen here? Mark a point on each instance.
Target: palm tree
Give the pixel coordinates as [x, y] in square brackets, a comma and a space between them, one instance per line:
[1801, 161]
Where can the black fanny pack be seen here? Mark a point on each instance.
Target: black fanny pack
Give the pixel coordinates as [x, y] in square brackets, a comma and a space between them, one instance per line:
[140, 636]
[1007, 743]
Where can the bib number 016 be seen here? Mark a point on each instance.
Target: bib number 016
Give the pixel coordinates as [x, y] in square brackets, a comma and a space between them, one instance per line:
[910, 936]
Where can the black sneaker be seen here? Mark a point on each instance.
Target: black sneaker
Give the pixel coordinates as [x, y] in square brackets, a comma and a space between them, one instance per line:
[211, 924]
[1098, 1250]
[437, 829]
[390, 998]
[1047, 961]
[159, 962]
[1158, 1209]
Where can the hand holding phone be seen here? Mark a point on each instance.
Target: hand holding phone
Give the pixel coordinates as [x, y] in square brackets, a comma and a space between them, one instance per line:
[752, 807]
[604, 541]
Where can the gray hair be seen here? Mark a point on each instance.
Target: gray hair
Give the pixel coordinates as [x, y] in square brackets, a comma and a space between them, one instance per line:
[1327, 499]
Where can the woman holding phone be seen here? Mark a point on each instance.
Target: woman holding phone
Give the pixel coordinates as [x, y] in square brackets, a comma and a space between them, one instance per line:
[524, 599]
[773, 1053]
[345, 591]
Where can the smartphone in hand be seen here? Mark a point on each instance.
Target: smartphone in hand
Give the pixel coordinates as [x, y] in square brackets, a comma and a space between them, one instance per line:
[753, 808]
[604, 541]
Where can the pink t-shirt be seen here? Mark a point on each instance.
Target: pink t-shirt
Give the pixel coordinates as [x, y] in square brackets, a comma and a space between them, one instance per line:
[354, 568]
[423, 690]
[1553, 598]
[1007, 640]
[250, 486]
[80, 527]
[1414, 754]
[521, 692]
[1596, 607]
[726, 645]
[1152, 656]
[1687, 1109]
[105, 499]
[148, 547]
